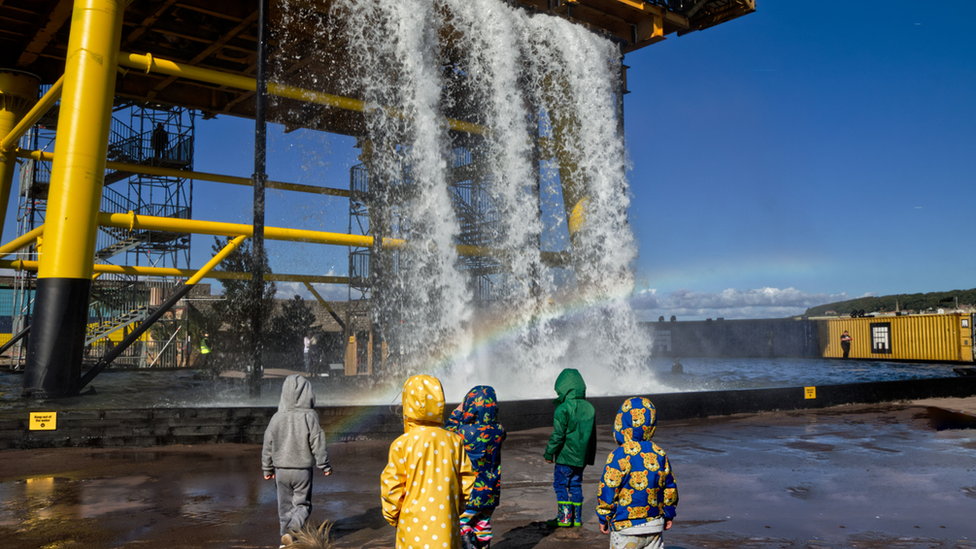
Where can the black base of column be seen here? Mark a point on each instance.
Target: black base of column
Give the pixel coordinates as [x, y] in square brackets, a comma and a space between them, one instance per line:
[57, 340]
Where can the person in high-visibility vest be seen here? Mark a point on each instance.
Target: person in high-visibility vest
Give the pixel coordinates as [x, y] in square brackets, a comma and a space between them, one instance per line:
[204, 350]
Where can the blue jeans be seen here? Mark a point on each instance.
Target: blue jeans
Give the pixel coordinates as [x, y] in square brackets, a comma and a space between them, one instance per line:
[568, 483]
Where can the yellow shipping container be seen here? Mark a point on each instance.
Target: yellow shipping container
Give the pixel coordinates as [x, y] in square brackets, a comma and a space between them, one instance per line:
[937, 337]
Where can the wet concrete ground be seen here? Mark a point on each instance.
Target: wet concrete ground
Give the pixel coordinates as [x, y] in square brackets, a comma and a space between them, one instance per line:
[856, 476]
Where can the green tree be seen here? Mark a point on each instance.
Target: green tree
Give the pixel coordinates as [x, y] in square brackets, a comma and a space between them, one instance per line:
[290, 326]
[236, 307]
[914, 302]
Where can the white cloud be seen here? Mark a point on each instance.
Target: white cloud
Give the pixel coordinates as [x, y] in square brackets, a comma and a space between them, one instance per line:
[329, 292]
[730, 303]
[646, 299]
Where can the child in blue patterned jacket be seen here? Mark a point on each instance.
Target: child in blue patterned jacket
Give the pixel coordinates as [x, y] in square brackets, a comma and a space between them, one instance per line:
[638, 494]
[476, 420]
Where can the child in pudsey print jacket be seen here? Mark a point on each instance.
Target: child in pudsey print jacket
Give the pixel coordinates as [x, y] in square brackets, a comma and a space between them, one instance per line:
[476, 420]
[638, 494]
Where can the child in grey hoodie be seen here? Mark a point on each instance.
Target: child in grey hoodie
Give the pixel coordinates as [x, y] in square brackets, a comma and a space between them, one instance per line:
[293, 444]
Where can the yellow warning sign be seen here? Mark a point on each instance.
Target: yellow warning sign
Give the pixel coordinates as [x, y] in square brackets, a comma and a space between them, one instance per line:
[810, 392]
[43, 421]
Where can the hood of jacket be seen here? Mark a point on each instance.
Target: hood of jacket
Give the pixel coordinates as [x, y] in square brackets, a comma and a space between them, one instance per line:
[423, 402]
[569, 385]
[480, 406]
[296, 393]
[635, 421]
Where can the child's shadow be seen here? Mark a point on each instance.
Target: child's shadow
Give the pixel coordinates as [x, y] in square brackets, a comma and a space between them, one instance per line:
[371, 519]
[523, 537]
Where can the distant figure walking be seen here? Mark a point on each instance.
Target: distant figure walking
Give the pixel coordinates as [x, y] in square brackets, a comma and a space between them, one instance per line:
[159, 141]
[845, 342]
[307, 343]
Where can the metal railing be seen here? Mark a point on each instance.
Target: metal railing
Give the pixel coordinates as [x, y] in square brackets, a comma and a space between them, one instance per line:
[143, 148]
[155, 354]
[112, 241]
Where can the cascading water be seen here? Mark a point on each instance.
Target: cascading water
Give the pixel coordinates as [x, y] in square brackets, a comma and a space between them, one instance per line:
[546, 92]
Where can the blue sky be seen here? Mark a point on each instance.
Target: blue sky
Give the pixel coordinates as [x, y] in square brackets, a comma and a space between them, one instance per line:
[785, 159]
[827, 152]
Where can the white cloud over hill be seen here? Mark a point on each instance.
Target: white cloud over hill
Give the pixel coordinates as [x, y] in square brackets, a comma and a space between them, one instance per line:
[731, 303]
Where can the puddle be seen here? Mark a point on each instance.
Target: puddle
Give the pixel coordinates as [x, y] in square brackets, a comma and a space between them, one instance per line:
[942, 420]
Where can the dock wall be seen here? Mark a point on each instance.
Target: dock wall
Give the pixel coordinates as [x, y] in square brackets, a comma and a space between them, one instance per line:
[161, 427]
[761, 338]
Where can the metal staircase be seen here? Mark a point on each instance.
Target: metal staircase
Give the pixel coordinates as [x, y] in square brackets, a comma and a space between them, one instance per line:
[100, 330]
[121, 246]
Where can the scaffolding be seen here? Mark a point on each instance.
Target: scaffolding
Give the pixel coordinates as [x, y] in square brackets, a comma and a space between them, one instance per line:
[376, 210]
[35, 177]
[478, 221]
[140, 134]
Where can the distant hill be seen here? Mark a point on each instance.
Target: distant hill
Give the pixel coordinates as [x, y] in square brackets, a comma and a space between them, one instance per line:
[914, 302]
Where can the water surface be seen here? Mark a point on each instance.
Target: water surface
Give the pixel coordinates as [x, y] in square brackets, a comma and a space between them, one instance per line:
[192, 388]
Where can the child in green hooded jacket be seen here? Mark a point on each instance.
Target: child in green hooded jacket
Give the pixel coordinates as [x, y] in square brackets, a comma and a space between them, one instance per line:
[572, 446]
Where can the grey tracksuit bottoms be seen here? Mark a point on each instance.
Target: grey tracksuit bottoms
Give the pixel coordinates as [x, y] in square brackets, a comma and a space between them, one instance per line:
[294, 498]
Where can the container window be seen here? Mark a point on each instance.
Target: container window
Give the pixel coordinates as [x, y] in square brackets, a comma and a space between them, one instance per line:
[881, 338]
[662, 340]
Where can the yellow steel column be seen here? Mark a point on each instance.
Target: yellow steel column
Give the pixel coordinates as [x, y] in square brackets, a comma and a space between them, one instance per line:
[566, 128]
[18, 93]
[64, 274]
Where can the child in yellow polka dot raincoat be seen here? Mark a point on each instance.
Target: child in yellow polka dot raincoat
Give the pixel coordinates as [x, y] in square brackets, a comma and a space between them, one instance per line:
[428, 477]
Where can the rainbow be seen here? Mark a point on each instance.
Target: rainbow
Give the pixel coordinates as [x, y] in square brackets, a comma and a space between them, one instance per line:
[491, 332]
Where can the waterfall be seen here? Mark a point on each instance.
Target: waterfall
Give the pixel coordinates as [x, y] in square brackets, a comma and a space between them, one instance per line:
[519, 76]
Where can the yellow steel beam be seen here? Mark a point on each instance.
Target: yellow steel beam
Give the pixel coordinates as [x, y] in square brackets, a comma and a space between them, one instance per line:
[133, 221]
[18, 93]
[313, 279]
[577, 217]
[220, 256]
[43, 105]
[149, 63]
[202, 176]
[28, 265]
[21, 241]
[78, 169]
[125, 221]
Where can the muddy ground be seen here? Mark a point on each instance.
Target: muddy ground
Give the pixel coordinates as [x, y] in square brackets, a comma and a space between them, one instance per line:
[897, 475]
